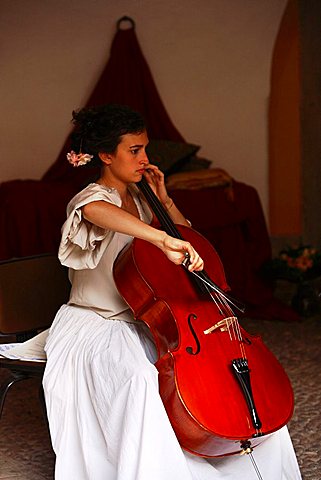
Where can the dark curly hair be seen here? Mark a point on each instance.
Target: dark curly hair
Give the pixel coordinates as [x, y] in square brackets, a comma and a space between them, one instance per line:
[99, 129]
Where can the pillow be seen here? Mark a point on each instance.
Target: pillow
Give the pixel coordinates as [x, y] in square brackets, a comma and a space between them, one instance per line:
[195, 163]
[170, 156]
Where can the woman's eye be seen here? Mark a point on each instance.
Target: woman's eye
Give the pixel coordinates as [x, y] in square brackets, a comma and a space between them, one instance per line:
[135, 151]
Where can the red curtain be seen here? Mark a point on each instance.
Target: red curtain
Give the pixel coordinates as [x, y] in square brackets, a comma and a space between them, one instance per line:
[126, 80]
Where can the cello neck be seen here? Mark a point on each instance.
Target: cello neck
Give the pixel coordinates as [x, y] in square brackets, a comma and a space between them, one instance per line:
[164, 219]
[166, 222]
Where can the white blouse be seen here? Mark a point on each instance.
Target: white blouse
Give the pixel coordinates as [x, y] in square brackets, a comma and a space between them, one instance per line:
[90, 251]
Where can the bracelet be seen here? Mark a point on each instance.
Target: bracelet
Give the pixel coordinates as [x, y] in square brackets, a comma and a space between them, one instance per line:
[168, 208]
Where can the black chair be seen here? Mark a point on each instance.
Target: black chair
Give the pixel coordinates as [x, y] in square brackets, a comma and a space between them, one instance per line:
[31, 291]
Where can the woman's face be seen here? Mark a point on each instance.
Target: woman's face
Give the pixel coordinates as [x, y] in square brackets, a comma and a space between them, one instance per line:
[127, 164]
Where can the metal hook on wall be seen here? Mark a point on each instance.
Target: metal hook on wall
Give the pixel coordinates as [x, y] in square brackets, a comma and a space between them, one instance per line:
[125, 19]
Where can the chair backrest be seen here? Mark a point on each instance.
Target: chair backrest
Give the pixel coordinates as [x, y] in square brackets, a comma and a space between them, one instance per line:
[31, 291]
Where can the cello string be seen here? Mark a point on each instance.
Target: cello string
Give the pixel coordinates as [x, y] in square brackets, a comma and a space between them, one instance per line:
[222, 300]
[216, 289]
[228, 311]
[211, 294]
[216, 298]
[237, 333]
[231, 300]
[234, 326]
[225, 301]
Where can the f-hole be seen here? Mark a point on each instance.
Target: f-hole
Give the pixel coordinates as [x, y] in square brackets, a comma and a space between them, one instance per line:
[189, 350]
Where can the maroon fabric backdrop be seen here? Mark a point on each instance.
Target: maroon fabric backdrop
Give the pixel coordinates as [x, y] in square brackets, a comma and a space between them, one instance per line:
[127, 80]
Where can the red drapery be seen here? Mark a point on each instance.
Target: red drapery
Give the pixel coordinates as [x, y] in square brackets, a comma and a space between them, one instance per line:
[127, 80]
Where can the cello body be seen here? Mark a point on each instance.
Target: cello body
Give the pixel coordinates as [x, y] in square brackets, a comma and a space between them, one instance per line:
[203, 397]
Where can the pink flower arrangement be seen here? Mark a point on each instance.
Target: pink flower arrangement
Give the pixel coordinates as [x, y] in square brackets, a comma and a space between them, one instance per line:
[303, 261]
[297, 264]
[78, 159]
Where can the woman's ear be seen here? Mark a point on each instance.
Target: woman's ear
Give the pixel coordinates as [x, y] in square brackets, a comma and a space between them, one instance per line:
[105, 157]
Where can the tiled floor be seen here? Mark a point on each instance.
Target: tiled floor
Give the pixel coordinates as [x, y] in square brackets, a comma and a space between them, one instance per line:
[25, 450]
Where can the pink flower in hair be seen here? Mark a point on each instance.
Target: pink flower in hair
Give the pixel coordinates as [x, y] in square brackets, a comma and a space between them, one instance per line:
[79, 159]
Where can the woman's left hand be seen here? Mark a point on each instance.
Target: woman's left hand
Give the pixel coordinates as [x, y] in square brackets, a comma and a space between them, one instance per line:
[155, 179]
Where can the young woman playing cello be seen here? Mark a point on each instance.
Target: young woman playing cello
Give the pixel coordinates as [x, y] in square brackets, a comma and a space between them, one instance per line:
[107, 420]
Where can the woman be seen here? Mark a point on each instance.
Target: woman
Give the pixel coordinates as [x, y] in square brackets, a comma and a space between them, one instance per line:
[106, 418]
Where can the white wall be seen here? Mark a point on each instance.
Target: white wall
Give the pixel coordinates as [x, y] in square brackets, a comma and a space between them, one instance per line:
[210, 60]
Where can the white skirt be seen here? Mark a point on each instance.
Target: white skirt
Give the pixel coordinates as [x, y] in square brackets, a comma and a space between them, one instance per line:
[107, 420]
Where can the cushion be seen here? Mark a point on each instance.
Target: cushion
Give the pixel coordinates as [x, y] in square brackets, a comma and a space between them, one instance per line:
[195, 163]
[200, 179]
[170, 156]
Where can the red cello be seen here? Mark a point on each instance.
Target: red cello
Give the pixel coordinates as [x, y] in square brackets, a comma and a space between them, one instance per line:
[223, 390]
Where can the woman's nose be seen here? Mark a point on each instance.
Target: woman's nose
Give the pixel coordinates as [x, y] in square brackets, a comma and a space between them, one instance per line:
[144, 159]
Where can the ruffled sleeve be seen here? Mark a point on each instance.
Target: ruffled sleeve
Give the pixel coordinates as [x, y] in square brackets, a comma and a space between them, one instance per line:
[82, 243]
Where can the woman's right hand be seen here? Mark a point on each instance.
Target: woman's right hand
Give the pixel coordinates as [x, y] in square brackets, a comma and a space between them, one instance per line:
[176, 250]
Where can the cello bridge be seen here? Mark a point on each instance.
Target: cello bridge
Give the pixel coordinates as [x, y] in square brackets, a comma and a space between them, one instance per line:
[222, 325]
